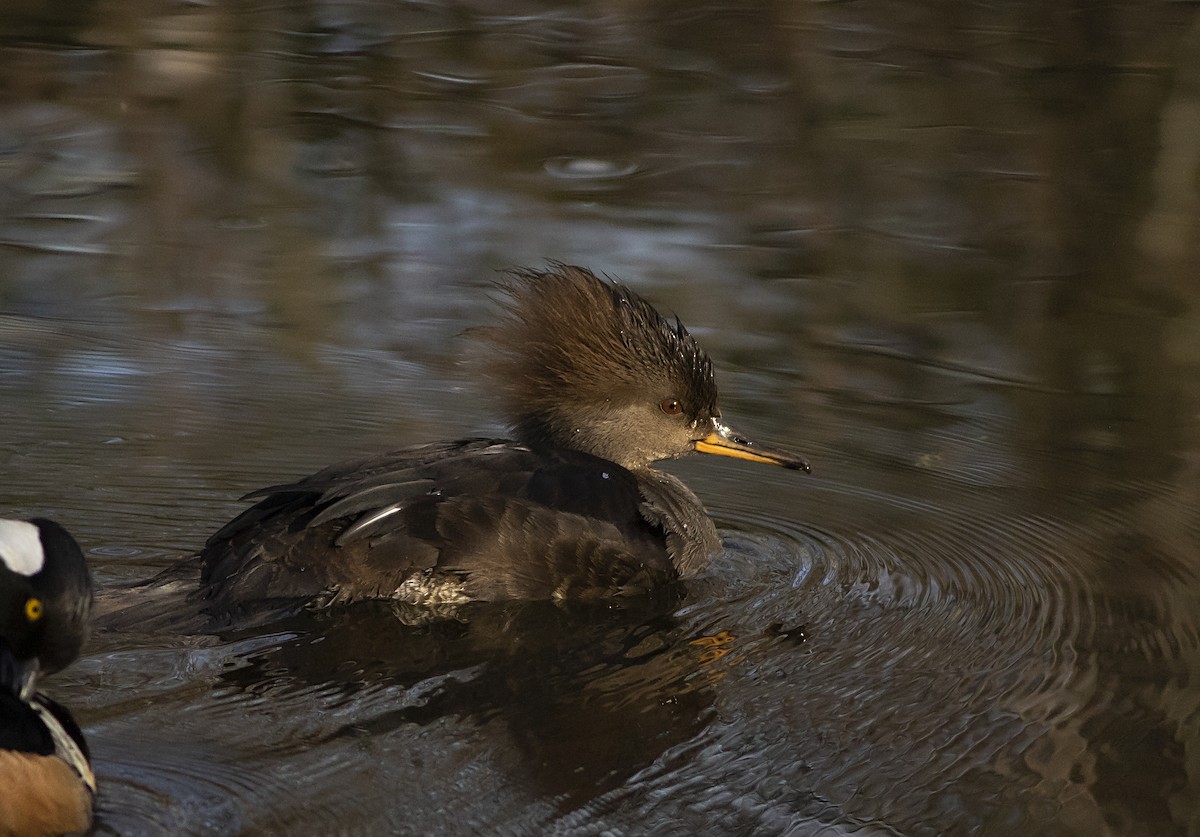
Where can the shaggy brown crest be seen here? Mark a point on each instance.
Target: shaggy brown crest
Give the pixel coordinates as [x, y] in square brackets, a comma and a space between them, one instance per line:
[571, 339]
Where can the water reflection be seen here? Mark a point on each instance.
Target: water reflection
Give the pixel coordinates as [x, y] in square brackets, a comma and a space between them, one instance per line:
[587, 698]
[579, 698]
[952, 248]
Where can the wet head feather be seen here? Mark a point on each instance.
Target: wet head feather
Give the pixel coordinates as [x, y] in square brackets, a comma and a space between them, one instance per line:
[569, 340]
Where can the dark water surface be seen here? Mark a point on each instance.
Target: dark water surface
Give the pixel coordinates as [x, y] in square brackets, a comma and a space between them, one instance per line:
[951, 252]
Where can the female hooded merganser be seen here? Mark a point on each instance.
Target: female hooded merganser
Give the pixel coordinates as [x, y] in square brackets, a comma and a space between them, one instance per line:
[598, 386]
[46, 780]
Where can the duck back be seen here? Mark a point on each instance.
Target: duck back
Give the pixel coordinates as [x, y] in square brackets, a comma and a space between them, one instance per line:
[479, 519]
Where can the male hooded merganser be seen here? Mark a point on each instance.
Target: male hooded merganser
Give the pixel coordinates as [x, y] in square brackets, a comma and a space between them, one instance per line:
[598, 386]
[46, 780]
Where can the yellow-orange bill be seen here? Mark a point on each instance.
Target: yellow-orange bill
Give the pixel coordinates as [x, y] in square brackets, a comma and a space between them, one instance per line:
[726, 442]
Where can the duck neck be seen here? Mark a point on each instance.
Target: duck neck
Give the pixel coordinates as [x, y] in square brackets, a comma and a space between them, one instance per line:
[605, 440]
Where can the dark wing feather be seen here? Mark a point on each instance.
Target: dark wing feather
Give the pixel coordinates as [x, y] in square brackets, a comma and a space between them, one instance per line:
[367, 499]
[492, 517]
[671, 506]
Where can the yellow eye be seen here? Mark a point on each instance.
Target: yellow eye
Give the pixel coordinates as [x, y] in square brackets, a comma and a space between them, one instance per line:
[670, 406]
[34, 609]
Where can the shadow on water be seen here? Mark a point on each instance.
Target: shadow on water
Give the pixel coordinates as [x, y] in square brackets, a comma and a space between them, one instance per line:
[587, 695]
[579, 697]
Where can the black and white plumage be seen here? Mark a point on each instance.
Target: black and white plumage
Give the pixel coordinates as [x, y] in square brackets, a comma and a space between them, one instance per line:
[597, 386]
[46, 780]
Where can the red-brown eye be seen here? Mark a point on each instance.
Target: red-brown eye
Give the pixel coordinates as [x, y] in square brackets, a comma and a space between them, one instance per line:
[670, 406]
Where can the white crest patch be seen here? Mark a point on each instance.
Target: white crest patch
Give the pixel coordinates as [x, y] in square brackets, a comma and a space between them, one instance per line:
[21, 547]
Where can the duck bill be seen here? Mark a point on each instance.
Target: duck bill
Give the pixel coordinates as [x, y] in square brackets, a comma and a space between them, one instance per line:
[725, 442]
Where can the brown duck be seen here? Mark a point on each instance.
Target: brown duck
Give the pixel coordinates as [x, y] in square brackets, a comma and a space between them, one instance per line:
[597, 386]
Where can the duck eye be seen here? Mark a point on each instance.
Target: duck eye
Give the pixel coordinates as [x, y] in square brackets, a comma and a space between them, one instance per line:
[670, 406]
[34, 609]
